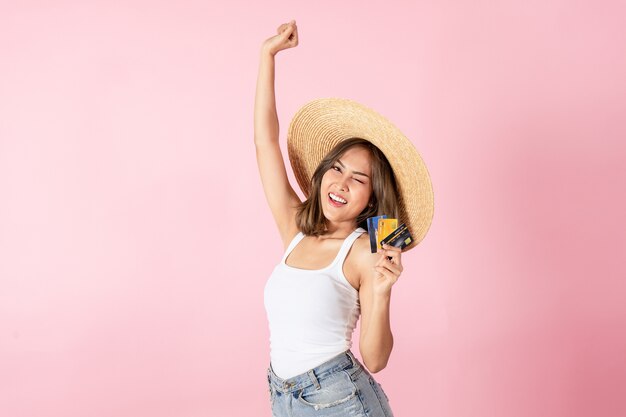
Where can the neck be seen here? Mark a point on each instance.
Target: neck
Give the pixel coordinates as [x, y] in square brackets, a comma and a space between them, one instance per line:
[339, 231]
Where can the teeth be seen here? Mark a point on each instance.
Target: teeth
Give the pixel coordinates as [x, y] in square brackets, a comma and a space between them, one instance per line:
[334, 197]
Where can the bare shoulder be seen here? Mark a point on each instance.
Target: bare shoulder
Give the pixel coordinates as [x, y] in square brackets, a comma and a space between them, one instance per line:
[363, 247]
[364, 259]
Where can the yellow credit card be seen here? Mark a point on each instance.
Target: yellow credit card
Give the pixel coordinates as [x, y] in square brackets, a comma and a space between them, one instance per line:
[385, 228]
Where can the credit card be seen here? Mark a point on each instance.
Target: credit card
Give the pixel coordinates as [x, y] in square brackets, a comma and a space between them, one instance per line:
[385, 228]
[399, 238]
[372, 231]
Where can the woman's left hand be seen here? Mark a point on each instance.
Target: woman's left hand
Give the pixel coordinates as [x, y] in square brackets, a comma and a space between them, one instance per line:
[388, 271]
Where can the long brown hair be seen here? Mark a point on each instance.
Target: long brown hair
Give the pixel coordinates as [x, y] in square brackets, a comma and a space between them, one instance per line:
[384, 198]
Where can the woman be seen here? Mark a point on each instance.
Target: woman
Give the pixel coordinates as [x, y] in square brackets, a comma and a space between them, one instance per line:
[328, 274]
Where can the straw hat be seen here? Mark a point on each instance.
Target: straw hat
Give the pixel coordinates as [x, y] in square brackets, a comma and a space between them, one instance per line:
[322, 123]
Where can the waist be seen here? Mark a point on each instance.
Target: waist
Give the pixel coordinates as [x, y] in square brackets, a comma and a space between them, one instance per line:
[344, 361]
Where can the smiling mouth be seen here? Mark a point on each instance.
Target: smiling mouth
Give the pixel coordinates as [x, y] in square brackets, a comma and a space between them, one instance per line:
[336, 203]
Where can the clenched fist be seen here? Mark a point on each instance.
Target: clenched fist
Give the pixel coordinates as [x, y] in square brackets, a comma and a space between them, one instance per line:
[287, 38]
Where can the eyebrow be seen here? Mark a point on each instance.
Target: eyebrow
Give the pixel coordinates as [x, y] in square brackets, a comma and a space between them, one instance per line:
[354, 172]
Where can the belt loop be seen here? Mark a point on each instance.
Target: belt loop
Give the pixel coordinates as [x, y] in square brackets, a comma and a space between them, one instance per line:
[314, 379]
[352, 359]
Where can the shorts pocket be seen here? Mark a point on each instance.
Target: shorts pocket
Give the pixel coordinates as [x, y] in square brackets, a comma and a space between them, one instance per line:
[336, 388]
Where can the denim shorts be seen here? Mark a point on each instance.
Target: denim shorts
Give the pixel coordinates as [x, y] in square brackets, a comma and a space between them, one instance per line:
[340, 387]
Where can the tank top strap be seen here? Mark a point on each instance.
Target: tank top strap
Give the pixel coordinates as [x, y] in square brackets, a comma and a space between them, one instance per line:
[296, 239]
[343, 252]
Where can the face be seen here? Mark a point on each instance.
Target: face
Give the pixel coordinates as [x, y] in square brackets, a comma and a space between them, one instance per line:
[345, 180]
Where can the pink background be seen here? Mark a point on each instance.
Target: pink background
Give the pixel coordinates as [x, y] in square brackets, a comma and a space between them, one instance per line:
[135, 239]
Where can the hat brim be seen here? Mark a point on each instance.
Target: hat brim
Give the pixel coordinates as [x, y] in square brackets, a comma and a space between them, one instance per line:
[322, 123]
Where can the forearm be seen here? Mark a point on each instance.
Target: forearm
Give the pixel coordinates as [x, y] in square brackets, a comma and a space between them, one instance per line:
[377, 340]
[265, 116]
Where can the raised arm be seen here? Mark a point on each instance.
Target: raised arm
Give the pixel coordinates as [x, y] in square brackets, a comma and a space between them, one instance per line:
[281, 197]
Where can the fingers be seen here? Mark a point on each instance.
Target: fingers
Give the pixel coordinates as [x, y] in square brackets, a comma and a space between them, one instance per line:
[395, 268]
[393, 248]
[284, 26]
[391, 251]
[386, 273]
[291, 34]
[391, 258]
[393, 276]
[390, 268]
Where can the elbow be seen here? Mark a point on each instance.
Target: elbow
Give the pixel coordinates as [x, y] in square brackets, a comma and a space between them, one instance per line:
[375, 367]
[375, 360]
[376, 363]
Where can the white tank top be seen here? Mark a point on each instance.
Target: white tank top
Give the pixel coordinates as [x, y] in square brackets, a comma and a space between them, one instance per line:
[311, 313]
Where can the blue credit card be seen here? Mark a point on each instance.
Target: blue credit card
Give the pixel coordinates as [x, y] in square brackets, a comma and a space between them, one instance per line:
[372, 231]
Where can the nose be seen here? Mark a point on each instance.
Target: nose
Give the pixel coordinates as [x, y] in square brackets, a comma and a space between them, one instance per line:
[342, 183]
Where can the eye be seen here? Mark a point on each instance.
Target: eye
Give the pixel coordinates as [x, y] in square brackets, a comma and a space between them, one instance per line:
[338, 169]
[358, 180]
